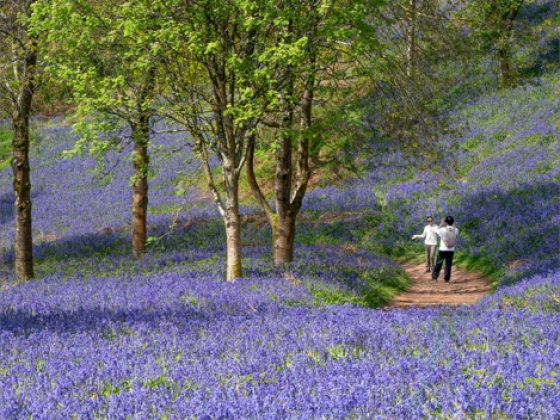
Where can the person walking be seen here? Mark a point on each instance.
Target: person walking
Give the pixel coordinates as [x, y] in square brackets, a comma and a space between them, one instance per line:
[448, 235]
[430, 243]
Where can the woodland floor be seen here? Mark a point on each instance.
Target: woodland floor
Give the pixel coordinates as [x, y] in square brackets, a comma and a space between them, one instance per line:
[465, 288]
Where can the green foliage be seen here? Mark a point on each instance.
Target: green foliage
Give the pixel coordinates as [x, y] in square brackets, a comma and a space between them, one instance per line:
[497, 27]
[490, 18]
[162, 381]
[105, 54]
[102, 68]
[5, 146]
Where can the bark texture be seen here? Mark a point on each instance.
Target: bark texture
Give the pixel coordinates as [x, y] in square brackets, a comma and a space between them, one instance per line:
[140, 126]
[140, 163]
[232, 221]
[233, 243]
[288, 201]
[283, 252]
[20, 161]
[22, 189]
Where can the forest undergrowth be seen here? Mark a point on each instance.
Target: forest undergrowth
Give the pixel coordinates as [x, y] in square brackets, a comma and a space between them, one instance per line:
[98, 335]
[101, 335]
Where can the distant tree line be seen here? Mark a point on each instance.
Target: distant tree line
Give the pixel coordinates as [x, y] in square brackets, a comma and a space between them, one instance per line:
[237, 75]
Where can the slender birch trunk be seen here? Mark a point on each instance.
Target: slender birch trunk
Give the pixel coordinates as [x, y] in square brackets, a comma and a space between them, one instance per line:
[233, 240]
[140, 163]
[411, 40]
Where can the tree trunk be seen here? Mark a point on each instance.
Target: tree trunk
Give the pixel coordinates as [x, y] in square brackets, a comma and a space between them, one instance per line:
[287, 223]
[288, 204]
[259, 196]
[505, 70]
[233, 234]
[411, 40]
[504, 55]
[20, 165]
[302, 159]
[284, 250]
[282, 223]
[22, 189]
[232, 222]
[140, 162]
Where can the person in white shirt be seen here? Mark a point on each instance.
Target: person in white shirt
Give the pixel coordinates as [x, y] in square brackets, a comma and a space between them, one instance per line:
[448, 235]
[430, 243]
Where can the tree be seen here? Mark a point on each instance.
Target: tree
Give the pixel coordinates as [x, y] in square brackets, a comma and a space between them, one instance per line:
[335, 33]
[225, 72]
[419, 63]
[492, 23]
[18, 76]
[295, 94]
[105, 52]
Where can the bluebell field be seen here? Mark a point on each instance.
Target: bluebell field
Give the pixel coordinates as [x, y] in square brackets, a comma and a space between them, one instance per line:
[100, 336]
[499, 178]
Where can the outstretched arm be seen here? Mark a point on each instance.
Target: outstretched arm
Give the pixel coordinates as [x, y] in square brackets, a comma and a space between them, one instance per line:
[420, 236]
[437, 228]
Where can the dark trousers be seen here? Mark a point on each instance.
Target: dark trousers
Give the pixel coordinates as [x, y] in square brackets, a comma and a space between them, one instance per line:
[442, 256]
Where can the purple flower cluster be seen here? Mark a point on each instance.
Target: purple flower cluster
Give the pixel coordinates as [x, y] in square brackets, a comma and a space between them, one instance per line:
[500, 181]
[70, 198]
[162, 336]
[176, 346]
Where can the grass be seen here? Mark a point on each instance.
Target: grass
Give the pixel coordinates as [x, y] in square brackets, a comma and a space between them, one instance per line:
[378, 287]
[341, 234]
[375, 286]
[477, 264]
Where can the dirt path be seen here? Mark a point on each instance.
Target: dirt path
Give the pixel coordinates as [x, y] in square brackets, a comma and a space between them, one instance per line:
[465, 288]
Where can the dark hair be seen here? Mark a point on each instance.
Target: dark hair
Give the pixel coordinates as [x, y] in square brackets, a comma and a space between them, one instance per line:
[429, 217]
[449, 220]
